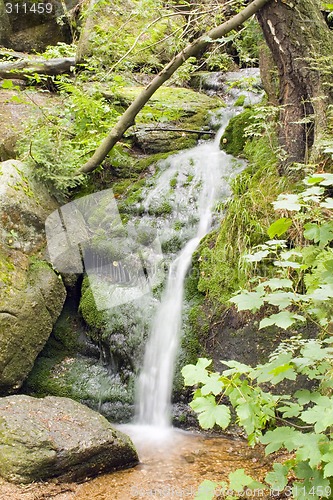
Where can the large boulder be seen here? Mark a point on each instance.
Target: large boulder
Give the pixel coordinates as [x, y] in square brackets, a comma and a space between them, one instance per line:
[31, 26]
[16, 111]
[58, 437]
[169, 121]
[31, 293]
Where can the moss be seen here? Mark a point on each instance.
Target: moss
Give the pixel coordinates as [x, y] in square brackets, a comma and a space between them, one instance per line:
[171, 104]
[172, 245]
[93, 317]
[233, 139]
[41, 382]
[164, 208]
[240, 101]
[248, 215]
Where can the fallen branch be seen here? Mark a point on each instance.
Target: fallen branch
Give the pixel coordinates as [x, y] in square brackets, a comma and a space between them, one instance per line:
[199, 45]
[21, 70]
[175, 129]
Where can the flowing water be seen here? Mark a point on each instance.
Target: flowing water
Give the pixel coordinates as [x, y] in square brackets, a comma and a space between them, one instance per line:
[211, 169]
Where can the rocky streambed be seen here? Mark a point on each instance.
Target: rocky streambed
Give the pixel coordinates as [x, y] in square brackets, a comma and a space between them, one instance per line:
[172, 467]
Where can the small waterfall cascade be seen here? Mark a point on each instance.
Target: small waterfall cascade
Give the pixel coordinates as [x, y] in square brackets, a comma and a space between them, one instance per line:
[212, 170]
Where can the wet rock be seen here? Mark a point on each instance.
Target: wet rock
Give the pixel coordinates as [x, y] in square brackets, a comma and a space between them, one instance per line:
[31, 294]
[24, 206]
[58, 437]
[168, 122]
[29, 27]
[31, 299]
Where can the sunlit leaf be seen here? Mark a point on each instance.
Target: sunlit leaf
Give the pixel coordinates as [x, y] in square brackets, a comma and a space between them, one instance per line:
[279, 227]
[287, 202]
[251, 301]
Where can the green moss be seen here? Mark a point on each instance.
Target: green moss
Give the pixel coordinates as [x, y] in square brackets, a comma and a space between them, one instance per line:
[248, 215]
[233, 139]
[240, 101]
[94, 318]
[164, 208]
[171, 104]
[173, 244]
[43, 380]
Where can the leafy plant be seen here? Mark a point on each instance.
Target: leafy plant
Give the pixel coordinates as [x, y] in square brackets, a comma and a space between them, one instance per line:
[300, 291]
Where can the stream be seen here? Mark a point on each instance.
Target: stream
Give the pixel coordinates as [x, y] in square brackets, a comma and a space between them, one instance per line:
[173, 463]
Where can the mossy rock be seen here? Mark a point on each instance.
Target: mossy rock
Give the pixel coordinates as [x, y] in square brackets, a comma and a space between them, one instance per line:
[233, 139]
[61, 438]
[36, 293]
[173, 107]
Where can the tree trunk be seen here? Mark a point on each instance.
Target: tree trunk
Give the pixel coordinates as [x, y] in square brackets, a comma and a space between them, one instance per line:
[200, 44]
[298, 37]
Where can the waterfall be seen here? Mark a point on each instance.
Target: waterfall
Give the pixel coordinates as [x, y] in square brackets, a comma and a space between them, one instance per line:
[212, 170]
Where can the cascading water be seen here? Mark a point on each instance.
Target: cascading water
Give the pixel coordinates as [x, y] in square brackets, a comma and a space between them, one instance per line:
[212, 169]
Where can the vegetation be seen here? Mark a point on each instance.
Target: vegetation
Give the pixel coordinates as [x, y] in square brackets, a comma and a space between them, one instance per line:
[286, 279]
[299, 291]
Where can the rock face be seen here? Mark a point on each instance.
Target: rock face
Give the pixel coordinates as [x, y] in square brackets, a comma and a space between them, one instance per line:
[31, 294]
[27, 27]
[58, 437]
[16, 110]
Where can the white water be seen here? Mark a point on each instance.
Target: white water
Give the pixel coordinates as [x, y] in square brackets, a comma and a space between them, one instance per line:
[155, 382]
[212, 169]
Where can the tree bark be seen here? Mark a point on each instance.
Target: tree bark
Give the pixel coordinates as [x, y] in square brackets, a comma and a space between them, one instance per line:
[200, 44]
[27, 67]
[298, 37]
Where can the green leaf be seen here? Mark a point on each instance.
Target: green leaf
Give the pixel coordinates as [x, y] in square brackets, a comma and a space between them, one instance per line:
[322, 293]
[276, 283]
[324, 179]
[248, 301]
[280, 299]
[206, 490]
[257, 256]
[328, 469]
[321, 415]
[319, 234]
[7, 84]
[291, 410]
[313, 193]
[236, 367]
[307, 447]
[279, 227]
[214, 385]
[283, 319]
[304, 396]
[328, 203]
[281, 437]
[238, 480]
[194, 374]
[210, 413]
[287, 202]
[278, 479]
[287, 263]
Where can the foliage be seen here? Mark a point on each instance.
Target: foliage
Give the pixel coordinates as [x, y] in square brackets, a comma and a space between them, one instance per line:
[234, 139]
[301, 290]
[247, 214]
[61, 139]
